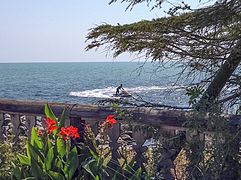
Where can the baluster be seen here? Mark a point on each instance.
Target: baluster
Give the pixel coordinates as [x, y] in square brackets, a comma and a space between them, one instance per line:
[140, 136]
[16, 123]
[1, 126]
[43, 122]
[7, 125]
[114, 134]
[190, 134]
[31, 122]
[23, 126]
[39, 122]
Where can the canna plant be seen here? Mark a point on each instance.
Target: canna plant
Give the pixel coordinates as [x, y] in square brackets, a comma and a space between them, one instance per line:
[49, 152]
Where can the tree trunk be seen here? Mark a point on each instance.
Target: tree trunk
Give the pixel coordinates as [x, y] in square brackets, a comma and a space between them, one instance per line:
[222, 77]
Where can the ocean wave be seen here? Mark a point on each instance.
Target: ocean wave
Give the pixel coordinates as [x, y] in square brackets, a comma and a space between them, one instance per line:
[109, 91]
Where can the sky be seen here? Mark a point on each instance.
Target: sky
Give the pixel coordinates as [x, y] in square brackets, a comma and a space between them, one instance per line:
[55, 30]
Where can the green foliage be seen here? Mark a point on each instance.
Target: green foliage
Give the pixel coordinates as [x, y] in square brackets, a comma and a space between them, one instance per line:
[194, 93]
[174, 37]
[49, 113]
[212, 146]
[48, 156]
[121, 112]
[8, 158]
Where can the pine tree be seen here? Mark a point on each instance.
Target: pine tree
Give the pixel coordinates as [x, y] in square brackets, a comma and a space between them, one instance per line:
[206, 40]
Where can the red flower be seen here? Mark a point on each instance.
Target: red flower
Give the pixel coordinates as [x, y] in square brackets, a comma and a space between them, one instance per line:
[74, 132]
[64, 133]
[110, 120]
[69, 132]
[51, 125]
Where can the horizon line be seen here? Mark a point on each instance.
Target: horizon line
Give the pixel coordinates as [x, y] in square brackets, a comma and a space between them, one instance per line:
[67, 61]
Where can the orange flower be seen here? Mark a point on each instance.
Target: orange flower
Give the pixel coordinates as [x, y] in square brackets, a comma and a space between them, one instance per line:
[110, 120]
[69, 132]
[51, 125]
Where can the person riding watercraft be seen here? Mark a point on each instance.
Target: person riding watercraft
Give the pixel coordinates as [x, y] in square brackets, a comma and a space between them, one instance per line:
[118, 89]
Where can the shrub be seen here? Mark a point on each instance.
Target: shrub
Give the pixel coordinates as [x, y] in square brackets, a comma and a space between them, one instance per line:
[8, 153]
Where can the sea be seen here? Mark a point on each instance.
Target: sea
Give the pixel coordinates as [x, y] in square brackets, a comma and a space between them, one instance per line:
[91, 82]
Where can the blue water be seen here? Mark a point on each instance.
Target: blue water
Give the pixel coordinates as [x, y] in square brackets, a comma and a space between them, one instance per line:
[86, 83]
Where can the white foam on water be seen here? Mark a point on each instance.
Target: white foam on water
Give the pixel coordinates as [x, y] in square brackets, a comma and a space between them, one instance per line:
[152, 88]
[98, 93]
[109, 91]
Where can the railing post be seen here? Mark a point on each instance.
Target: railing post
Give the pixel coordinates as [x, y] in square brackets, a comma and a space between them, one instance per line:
[16, 123]
[40, 122]
[23, 126]
[139, 136]
[7, 125]
[31, 122]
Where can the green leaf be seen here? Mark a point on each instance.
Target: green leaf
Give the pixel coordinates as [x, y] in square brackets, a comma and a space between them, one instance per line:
[49, 158]
[35, 139]
[137, 174]
[74, 151]
[56, 175]
[97, 177]
[49, 113]
[47, 144]
[60, 147]
[115, 105]
[24, 160]
[35, 153]
[94, 155]
[86, 166]
[36, 170]
[73, 162]
[63, 117]
[59, 163]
